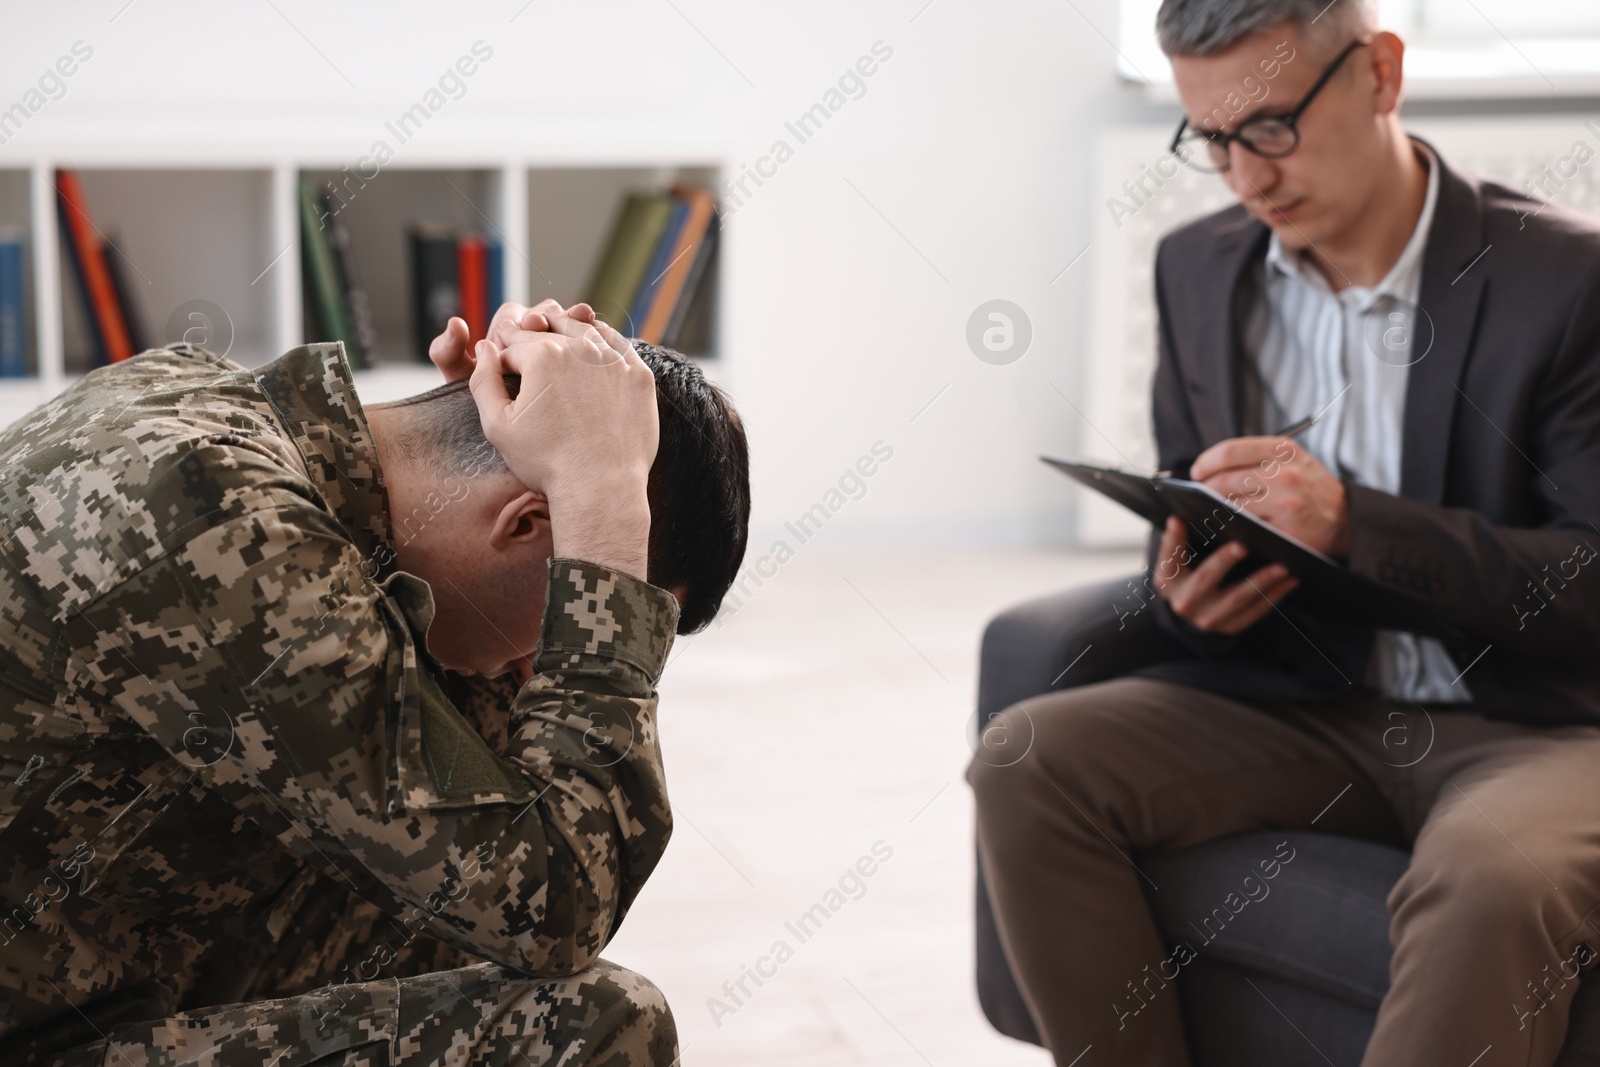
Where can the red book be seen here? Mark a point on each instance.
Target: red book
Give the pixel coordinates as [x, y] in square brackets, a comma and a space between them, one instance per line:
[472, 280]
[100, 293]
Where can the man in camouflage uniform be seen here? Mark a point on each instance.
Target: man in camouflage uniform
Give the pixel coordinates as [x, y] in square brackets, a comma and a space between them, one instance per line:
[247, 817]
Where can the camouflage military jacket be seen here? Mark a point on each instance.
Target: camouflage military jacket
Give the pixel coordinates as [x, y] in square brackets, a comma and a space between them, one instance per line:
[215, 692]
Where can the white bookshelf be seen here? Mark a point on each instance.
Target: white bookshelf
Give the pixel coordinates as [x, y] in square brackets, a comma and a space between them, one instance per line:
[222, 226]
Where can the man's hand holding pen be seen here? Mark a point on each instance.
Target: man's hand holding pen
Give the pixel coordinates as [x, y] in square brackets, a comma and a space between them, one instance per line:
[1303, 498]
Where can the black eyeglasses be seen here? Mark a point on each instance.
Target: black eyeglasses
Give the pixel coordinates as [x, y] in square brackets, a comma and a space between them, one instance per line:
[1268, 136]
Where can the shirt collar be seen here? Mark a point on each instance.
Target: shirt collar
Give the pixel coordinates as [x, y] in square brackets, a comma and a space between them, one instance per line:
[1404, 280]
[314, 396]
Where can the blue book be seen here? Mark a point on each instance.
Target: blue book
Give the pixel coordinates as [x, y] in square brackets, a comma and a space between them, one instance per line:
[658, 265]
[13, 305]
[494, 271]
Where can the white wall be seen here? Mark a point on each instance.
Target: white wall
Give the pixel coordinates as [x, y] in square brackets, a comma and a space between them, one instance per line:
[974, 142]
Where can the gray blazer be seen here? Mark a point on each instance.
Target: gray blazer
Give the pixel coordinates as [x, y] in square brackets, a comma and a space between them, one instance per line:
[1496, 530]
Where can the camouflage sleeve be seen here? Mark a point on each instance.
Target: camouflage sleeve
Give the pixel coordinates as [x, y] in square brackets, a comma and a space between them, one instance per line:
[262, 656]
[328, 935]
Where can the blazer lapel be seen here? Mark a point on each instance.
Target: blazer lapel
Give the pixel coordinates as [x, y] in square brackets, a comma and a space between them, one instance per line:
[1237, 249]
[1453, 278]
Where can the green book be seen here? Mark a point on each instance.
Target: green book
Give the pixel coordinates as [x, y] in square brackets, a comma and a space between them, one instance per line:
[620, 275]
[330, 317]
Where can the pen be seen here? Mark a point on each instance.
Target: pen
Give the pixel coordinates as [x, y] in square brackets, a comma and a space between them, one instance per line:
[1292, 430]
[1297, 428]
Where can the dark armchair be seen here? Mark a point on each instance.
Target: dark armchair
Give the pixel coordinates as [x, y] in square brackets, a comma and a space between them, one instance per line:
[1290, 986]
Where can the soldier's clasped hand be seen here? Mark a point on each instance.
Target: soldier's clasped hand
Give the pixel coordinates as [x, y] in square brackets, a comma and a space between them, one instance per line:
[582, 431]
[452, 351]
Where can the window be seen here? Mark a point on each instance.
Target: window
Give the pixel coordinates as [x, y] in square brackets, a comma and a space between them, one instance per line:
[1455, 47]
[1484, 20]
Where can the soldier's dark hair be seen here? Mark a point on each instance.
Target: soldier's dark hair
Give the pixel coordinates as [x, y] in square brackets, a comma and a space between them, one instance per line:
[1204, 27]
[699, 486]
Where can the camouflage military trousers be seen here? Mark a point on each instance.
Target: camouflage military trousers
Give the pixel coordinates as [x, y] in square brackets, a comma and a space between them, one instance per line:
[479, 1016]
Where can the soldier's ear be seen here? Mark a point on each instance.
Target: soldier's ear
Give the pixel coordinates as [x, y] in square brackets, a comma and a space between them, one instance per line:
[524, 518]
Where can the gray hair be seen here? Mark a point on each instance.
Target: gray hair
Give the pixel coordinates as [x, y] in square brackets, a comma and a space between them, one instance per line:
[1204, 27]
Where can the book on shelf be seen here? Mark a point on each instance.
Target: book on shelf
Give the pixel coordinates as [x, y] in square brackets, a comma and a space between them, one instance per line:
[628, 254]
[83, 243]
[13, 304]
[327, 301]
[472, 282]
[355, 294]
[688, 326]
[435, 291]
[495, 271]
[453, 274]
[656, 266]
[691, 326]
[679, 274]
[117, 266]
[660, 261]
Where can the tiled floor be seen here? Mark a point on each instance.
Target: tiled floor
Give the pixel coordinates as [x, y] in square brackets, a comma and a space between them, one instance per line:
[824, 718]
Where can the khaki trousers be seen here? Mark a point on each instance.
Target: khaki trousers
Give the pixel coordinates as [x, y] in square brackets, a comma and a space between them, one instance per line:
[1503, 820]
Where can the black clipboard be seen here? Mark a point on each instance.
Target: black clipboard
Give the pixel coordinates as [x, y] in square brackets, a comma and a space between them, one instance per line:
[1213, 521]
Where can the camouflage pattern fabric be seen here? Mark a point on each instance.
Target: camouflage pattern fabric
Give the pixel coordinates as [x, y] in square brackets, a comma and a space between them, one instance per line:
[221, 733]
[483, 1016]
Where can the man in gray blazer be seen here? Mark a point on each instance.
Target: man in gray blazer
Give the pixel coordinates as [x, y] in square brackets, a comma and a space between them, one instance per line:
[1445, 334]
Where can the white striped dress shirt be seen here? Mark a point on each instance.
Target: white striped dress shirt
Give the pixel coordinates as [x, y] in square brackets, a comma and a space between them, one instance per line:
[1347, 355]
